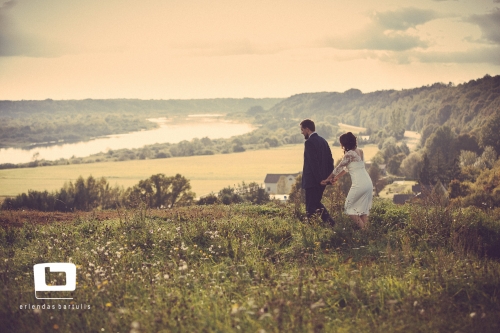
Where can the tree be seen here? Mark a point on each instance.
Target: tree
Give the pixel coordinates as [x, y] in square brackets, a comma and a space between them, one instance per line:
[467, 158]
[424, 176]
[487, 159]
[228, 196]
[490, 133]
[162, 191]
[468, 142]
[394, 163]
[253, 193]
[443, 154]
[181, 194]
[396, 126]
[209, 199]
[426, 133]
[411, 165]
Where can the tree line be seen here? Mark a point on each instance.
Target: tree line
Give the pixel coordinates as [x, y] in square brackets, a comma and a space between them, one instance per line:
[158, 191]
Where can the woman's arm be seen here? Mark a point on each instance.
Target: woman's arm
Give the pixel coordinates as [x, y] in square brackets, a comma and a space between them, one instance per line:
[340, 170]
[338, 176]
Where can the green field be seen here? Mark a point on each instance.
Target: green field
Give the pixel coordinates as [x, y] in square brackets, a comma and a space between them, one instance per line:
[250, 268]
[206, 173]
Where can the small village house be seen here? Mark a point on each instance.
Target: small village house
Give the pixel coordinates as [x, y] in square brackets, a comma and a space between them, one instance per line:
[279, 183]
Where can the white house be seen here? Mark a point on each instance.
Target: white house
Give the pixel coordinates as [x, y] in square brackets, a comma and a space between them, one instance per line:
[279, 183]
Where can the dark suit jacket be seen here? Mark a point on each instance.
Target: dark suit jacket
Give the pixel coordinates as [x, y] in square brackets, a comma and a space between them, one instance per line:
[318, 161]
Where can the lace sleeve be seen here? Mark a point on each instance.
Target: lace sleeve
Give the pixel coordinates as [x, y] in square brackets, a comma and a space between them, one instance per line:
[350, 156]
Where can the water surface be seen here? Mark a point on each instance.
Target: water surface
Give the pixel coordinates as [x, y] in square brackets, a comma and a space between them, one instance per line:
[193, 126]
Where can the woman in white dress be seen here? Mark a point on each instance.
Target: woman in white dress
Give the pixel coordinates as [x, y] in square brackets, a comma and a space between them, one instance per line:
[359, 199]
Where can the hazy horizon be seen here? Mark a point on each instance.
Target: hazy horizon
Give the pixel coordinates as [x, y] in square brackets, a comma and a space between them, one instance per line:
[236, 49]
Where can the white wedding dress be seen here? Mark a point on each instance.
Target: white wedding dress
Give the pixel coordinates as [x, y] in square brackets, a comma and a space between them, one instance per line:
[360, 197]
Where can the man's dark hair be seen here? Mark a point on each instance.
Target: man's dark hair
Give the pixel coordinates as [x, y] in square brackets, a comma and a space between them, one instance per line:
[308, 123]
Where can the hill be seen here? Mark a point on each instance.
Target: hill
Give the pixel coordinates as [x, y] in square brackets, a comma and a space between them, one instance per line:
[465, 107]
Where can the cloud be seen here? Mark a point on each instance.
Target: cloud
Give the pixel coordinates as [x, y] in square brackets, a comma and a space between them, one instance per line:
[487, 55]
[387, 31]
[13, 42]
[489, 25]
[404, 18]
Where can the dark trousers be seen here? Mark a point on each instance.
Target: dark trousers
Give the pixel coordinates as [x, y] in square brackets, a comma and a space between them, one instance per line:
[314, 205]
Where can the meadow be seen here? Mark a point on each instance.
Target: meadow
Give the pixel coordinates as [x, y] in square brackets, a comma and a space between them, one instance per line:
[398, 187]
[244, 268]
[206, 173]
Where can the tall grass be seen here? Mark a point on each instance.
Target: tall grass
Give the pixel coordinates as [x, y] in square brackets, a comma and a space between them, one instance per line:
[419, 268]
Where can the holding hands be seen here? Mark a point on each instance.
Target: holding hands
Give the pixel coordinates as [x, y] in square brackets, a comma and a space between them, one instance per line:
[329, 181]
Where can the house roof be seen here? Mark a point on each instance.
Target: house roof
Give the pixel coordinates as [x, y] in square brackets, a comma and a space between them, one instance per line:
[421, 188]
[275, 177]
[401, 198]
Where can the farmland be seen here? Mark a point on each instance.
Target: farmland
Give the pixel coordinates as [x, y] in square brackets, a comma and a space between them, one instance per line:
[206, 173]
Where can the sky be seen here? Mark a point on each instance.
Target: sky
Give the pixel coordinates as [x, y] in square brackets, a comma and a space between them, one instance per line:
[189, 49]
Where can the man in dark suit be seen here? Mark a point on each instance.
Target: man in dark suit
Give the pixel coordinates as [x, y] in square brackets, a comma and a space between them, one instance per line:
[318, 165]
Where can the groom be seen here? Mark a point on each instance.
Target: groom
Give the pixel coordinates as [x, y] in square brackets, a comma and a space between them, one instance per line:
[318, 165]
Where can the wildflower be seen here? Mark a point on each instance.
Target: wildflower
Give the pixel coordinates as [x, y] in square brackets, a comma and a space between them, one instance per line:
[109, 304]
[472, 315]
[183, 266]
[318, 304]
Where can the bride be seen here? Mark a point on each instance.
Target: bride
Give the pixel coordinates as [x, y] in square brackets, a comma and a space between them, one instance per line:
[359, 199]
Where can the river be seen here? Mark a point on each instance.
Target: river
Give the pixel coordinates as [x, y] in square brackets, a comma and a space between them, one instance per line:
[169, 130]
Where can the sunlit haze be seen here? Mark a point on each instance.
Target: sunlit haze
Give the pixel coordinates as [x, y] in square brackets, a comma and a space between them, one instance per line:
[157, 49]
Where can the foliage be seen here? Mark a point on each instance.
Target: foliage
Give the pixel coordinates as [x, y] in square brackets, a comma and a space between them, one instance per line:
[396, 126]
[411, 165]
[251, 193]
[88, 194]
[160, 191]
[490, 133]
[484, 192]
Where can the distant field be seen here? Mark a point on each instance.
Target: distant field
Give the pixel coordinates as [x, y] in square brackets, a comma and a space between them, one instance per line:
[207, 173]
[350, 128]
[412, 138]
[398, 187]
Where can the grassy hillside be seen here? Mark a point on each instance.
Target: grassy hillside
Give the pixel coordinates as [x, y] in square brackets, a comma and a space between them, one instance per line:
[206, 173]
[259, 269]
